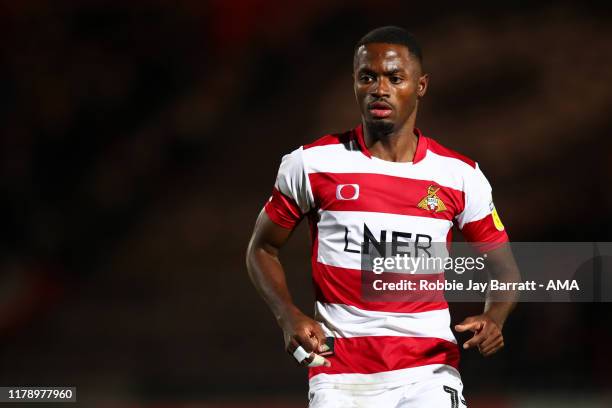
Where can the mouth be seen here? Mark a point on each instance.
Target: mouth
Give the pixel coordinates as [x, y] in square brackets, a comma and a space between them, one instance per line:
[380, 110]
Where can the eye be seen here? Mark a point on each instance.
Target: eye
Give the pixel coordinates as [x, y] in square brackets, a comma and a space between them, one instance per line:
[366, 78]
[395, 79]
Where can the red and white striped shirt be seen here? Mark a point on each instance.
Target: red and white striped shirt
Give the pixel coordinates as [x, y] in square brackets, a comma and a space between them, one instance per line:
[346, 193]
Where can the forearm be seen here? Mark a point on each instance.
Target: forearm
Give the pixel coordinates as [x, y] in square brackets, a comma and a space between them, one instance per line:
[502, 267]
[268, 277]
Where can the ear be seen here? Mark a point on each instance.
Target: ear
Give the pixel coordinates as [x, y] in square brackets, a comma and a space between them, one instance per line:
[422, 84]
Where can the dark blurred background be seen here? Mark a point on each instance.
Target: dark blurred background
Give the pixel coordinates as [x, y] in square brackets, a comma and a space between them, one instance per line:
[139, 142]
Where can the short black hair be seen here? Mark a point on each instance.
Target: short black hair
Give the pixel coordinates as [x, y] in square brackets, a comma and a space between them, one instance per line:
[392, 35]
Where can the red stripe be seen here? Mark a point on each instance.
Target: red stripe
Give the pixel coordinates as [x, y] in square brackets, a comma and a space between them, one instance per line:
[367, 355]
[283, 210]
[422, 146]
[384, 194]
[348, 287]
[358, 134]
[484, 235]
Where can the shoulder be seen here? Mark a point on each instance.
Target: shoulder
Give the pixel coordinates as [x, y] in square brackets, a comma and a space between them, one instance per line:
[327, 142]
[333, 139]
[320, 149]
[455, 168]
[325, 153]
[450, 156]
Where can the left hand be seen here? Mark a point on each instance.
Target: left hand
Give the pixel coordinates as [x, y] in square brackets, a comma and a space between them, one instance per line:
[487, 334]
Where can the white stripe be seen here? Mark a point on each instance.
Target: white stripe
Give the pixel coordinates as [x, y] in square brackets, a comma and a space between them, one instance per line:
[293, 182]
[478, 199]
[332, 232]
[349, 321]
[443, 170]
[385, 379]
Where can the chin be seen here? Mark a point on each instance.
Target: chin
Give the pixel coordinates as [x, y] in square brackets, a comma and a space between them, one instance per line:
[380, 127]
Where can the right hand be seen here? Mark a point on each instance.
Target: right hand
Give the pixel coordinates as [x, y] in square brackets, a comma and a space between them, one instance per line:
[301, 330]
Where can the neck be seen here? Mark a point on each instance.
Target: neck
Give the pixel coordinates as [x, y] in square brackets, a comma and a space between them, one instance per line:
[398, 145]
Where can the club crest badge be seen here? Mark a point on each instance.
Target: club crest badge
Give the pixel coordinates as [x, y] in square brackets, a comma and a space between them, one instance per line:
[431, 202]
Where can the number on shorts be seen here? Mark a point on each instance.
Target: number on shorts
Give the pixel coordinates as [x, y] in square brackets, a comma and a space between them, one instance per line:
[454, 395]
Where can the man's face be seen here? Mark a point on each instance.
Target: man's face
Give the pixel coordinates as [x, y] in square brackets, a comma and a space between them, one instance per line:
[387, 82]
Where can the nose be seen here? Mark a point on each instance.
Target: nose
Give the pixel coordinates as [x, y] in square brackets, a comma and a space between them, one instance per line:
[380, 88]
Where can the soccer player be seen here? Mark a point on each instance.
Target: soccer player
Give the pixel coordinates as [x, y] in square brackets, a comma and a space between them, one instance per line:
[383, 181]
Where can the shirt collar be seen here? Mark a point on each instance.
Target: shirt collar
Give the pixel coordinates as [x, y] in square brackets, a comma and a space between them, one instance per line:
[419, 154]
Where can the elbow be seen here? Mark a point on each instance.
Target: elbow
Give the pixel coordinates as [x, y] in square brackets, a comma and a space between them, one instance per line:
[254, 251]
[250, 256]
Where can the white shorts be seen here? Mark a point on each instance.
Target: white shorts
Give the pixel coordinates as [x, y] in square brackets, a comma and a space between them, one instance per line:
[443, 391]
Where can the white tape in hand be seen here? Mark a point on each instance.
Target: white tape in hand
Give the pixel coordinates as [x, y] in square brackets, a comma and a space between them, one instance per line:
[317, 361]
[300, 354]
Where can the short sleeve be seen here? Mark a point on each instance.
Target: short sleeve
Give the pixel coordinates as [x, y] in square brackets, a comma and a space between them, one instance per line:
[290, 198]
[479, 221]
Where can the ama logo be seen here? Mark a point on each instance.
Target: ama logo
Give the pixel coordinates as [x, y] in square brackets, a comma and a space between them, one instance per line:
[347, 191]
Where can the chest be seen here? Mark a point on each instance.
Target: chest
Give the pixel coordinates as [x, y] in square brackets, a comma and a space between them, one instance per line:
[380, 193]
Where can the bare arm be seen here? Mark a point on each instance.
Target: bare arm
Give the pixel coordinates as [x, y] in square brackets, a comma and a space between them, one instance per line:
[502, 267]
[268, 276]
[488, 326]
